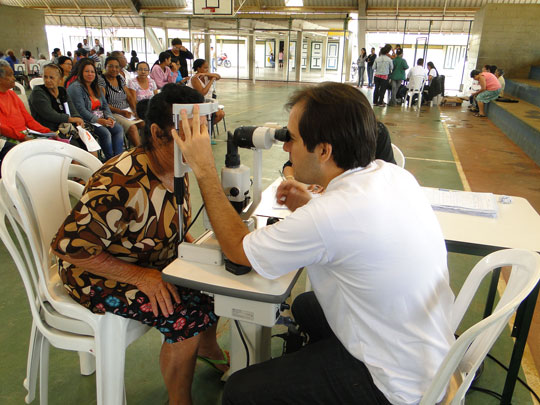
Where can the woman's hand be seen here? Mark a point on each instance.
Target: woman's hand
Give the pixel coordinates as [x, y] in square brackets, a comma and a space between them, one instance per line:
[109, 122]
[76, 120]
[102, 121]
[158, 292]
[124, 113]
[293, 194]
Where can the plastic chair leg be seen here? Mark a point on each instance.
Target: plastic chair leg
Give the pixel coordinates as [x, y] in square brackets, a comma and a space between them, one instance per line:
[87, 362]
[32, 364]
[110, 359]
[44, 373]
[225, 125]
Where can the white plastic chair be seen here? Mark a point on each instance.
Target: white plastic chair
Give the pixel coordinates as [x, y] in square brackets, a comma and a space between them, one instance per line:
[23, 96]
[34, 69]
[20, 68]
[36, 178]
[399, 157]
[470, 349]
[417, 88]
[36, 82]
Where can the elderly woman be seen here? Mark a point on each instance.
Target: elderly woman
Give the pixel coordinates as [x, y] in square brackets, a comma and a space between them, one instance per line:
[142, 86]
[120, 101]
[48, 101]
[89, 100]
[490, 89]
[124, 231]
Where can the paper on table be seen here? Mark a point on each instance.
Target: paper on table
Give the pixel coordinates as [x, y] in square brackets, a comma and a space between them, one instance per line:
[465, 202]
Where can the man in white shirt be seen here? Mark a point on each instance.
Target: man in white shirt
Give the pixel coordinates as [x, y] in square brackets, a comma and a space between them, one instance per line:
[86, 46]
[378, 318]
[417, 75]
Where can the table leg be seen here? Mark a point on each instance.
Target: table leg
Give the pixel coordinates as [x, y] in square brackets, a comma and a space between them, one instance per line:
[492, 292]
[257, 339]
[520, 331]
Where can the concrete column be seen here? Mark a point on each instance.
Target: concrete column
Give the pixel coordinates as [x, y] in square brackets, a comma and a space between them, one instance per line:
[207, 55]
[298, 57]
[276, 54]
[286, 54]
[324, 54]
[251, 55]
[347, 48]
[308, 55]
[362, 25]
[166, 35]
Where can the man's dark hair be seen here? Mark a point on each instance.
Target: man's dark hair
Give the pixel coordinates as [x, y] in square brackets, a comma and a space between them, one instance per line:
[492, 68]
[159, 111]
[176, 41]
[399, 51]
[341, 116]
[475, 73]
[55, 50]
[420, 62]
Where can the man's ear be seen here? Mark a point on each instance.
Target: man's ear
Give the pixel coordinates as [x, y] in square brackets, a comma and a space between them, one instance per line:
[324, 152]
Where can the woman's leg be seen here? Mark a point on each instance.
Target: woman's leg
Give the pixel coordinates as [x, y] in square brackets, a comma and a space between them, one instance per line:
[177, 363]
[481, 108]
[133, 135]
[361, 71]
[376, 91]
[104, 141]
[209, 348]
[117, 135]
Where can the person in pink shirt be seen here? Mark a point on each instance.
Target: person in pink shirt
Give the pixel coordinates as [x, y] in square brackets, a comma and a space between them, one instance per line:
[14, 118]
[490, 88]
[161, 73]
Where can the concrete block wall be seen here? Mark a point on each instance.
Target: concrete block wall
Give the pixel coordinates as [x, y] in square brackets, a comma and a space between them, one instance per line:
[23, 28]
[510, 38]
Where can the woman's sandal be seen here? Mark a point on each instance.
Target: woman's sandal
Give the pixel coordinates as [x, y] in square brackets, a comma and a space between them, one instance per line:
[480, 115]
[213, 362]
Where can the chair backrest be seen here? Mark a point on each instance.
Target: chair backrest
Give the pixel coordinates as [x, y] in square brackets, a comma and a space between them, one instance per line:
[36, 82]
[19, 68]
[469, 350]
[38, 178]
[416, 83]
[22, 95]
[34, 69]
[399, 157]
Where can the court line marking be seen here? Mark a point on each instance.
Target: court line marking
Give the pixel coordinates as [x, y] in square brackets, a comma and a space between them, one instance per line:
[430, 160]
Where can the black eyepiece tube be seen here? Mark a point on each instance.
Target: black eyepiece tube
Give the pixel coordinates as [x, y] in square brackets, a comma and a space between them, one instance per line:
[282, 135]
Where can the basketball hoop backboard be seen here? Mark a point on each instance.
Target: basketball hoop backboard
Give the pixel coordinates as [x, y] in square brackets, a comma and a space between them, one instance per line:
[212, 7]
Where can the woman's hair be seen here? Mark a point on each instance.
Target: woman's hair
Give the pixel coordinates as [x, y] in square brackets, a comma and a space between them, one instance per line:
[27, 54]
[163, 56]
[159, 111]
[363, 49]
[197, 64]
[493, 69]
[94, 85]
[143, 63]
[475, 73]
[110, 59]
[500, 72]
[399, 51]
[133, 53]
[55, 67]
[63, 59]
[431, 65]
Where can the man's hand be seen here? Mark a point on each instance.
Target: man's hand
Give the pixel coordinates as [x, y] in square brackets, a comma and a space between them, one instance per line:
[195, 142]
[293, 194]
[158, 291]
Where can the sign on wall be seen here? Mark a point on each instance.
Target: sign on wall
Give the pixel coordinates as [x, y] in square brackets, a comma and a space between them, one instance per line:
[316, 55]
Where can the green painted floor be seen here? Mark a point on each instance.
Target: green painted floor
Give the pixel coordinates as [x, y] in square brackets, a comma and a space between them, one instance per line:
[429, 157]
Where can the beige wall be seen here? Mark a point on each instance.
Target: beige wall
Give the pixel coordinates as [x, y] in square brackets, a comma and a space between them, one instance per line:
[23, 28]
[510, 38]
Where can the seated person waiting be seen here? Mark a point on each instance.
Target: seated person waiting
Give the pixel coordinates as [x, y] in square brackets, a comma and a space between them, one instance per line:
[89, 100]
[121, 102]
[142, 86]
[51, 105]
[121, 273]
[379, 318]
[490, 88]
[202, 81]
[15, 120]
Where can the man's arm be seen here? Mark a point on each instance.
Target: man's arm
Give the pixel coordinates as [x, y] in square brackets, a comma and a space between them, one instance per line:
[226, 223]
